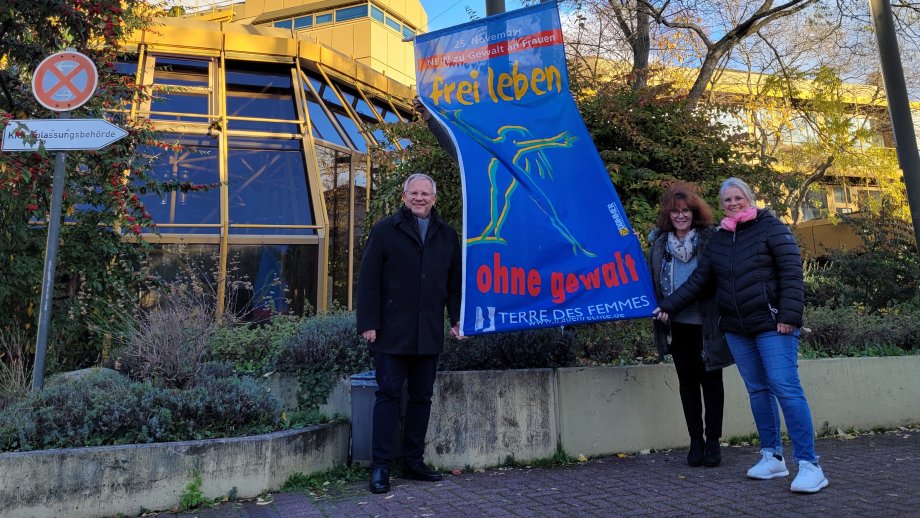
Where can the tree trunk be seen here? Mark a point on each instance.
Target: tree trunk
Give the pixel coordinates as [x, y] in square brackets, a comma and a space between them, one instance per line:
[641, 47]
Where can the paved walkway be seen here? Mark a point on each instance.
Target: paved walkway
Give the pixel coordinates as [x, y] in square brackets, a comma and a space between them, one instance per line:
[870, 476]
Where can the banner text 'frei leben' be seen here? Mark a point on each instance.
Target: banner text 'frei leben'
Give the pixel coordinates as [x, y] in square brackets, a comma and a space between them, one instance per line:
[546, 240]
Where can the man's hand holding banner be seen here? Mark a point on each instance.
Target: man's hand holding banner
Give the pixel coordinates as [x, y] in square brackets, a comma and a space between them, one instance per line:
[546, 240]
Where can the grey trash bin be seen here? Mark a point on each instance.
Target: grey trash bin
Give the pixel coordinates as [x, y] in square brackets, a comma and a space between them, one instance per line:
[363, 396]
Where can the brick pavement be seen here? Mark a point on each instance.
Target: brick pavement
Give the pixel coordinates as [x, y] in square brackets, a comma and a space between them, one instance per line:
[870, 476]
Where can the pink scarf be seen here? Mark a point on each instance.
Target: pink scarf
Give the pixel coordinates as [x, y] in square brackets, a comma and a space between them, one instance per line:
[730, 223]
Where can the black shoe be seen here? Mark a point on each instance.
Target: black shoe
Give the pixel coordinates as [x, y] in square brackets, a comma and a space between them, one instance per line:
[712, 454]
[380, 480]
[695, 455]
[420, 471]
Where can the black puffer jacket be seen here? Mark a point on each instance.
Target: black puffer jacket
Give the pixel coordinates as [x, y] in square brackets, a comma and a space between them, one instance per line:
[715, 350]
[758, 275]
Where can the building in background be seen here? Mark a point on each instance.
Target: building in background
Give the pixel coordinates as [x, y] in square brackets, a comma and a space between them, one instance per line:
[371, 33]
[284, 124]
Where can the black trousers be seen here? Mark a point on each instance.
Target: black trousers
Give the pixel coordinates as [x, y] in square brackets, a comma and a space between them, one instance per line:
[392, 371]
[687, 351]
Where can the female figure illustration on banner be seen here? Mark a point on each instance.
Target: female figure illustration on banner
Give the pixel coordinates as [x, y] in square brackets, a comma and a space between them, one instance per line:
[527, 160]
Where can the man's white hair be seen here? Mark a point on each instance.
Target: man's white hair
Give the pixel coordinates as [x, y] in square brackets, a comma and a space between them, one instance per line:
[418, 176]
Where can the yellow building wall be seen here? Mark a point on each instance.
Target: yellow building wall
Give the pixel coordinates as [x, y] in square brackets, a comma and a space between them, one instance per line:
[372, 44]
[366, 40]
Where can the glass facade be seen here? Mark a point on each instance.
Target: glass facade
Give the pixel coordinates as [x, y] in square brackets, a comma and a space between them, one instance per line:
[345, 14]
[191, 212]
[351, 13]
[283, 146]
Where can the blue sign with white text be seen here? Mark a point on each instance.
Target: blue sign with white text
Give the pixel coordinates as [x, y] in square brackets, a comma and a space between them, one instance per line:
[546, 240]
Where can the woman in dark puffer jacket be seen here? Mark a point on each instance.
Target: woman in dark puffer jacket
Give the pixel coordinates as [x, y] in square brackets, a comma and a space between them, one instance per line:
[756, 265]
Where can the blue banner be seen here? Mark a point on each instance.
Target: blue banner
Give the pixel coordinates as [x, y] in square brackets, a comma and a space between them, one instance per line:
[546, 240]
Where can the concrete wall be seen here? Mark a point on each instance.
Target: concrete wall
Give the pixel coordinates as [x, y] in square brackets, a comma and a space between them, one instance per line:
[481, 418]
[106, 480]
[478, 419]
[862, 393]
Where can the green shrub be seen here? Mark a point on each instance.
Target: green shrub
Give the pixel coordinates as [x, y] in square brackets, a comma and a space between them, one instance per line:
[540, 348]
[883, 273]
[852, 331]
[617, 342]
[107, 408]
[324, 343]
[250, 347]
[323, 349]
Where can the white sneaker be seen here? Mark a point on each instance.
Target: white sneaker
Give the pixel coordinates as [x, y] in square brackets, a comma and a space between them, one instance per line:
[768, 467]
[810, 478]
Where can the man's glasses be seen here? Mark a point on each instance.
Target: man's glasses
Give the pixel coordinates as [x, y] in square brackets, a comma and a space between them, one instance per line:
[682, 212]
[419, 194]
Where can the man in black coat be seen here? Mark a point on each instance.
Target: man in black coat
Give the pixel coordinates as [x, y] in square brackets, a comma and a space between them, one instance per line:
[410, 272]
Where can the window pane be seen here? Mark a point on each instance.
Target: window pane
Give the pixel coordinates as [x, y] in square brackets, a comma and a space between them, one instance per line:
[799, 132]
[352, 129]
[376, 14]
[840, 194]
[260, 90]
[332, 101]
[385, 111]
[335, 173]
[181, 71]
[320, 122]
[383, 140]
[323, 18]
[171, 76]
[362, 108]
[196, 162]
[811, 206]
[187, 263]
[270, 279]
[322, 126]
[126, 66]
[394, 24]
[407, 32]
[303, 21]
[268, 186]
[284, 24]
[350, 13]
[179, 102]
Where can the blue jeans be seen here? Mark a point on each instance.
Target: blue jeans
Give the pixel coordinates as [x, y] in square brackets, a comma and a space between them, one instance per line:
[768, 364]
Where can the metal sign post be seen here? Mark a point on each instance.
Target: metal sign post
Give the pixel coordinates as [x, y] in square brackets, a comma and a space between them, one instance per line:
[51, 248]
[62, 82]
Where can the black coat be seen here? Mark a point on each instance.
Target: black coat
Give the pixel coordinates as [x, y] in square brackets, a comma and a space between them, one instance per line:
[758, 275]
[715, 350]
[405, 285]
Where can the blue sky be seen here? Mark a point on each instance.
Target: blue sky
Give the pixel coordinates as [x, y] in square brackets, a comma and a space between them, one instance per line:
[444, 13]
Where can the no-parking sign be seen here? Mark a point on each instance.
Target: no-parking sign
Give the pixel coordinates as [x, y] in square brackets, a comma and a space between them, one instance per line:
[64, 81]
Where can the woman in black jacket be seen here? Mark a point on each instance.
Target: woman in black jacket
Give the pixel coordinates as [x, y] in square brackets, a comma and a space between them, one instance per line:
[692, 337]
[756, 265]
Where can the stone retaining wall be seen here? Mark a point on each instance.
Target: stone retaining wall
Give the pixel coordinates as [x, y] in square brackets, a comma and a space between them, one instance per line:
[478, 419]
[106, 480]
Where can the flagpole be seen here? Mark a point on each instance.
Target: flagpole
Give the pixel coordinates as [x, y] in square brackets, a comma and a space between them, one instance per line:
[898, 106]
[495, 7]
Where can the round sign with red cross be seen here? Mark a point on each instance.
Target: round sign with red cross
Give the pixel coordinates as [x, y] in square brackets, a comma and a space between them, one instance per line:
[64, 81]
